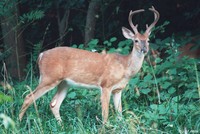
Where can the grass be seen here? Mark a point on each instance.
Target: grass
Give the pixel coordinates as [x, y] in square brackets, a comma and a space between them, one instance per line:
[79, 116]
[167, 107]
[83, 115]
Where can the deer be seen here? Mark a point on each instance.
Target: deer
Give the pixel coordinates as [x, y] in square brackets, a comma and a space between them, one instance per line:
[67, 67]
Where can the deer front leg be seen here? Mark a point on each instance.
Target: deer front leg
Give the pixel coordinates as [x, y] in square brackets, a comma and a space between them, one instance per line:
[105, 100]
[58, 99]
[117, 101]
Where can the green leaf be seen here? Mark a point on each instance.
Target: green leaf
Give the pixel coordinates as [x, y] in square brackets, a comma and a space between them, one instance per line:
[148, 77]
[112, 50]
[145, 91]
[121, 43]
[166, 84]
[171, 90]
[191, 94]
[158, 60]
[172, 71]
[81, 46]
[5, 98]
[113, 39]
[74, 46]
[33, 15]
[154, 106]
[134, 81]
[109, 44]
[72, 95]
[105, 42]
[93, 42]
[162, 109]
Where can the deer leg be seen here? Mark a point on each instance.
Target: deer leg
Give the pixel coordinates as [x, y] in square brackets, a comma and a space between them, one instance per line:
[41, 89]
[117, 102]
[105, 100]
[58, 99]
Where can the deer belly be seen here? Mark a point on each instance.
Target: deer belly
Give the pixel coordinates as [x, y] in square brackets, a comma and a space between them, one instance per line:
[75, 84]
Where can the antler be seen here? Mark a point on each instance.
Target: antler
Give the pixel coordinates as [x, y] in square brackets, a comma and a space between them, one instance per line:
[134, 27]
[156, 18]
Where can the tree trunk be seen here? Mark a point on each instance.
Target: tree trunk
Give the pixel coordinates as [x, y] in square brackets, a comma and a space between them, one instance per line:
[91, 20]
[13, 41]
[62, 19]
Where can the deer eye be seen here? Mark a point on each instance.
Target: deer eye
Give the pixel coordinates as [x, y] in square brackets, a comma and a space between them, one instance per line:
[136, 41]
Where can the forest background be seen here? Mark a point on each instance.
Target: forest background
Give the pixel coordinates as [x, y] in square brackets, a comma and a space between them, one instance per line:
[163, 97]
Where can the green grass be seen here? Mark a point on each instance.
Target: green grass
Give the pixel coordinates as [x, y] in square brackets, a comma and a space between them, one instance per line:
[81, 112]
[81, 115]
[161, 99]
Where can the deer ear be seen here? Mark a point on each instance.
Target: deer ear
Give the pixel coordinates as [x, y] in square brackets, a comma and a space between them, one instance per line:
[127, 33]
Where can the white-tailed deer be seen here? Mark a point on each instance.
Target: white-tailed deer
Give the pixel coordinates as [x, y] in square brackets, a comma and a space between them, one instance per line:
[71, 67]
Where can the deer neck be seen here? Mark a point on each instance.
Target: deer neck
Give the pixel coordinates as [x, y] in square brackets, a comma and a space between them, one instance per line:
[135, 62]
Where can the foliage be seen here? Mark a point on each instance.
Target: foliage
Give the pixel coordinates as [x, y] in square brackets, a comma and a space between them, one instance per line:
[6, 8]
[162, 98]
[4, 98]
[169, 91]
[33, 15]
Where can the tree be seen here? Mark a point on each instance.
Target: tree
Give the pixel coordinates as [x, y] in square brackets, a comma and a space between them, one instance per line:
[91, 20]
[12, 38]
[62, 19]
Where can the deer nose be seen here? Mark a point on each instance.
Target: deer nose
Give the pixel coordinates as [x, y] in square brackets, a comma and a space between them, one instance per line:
[144, 50]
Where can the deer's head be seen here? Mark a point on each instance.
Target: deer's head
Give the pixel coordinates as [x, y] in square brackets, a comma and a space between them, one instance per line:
[141, 41]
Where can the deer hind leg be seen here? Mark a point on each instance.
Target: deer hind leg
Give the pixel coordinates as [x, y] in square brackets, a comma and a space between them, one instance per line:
[41, 89]
[58, 99]
[105, 100]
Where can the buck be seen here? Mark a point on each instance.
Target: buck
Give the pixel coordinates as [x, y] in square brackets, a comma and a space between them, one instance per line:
[70, 67]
